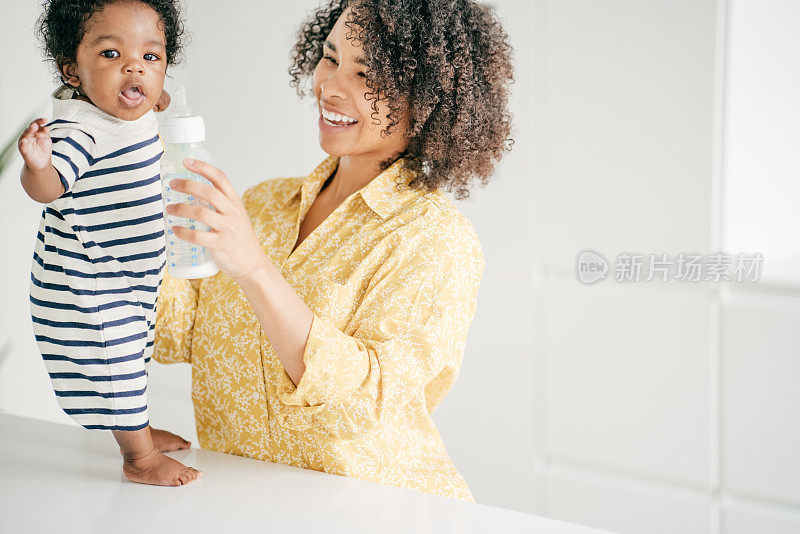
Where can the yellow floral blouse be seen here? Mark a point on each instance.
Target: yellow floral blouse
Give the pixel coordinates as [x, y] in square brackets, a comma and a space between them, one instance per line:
[392, 277]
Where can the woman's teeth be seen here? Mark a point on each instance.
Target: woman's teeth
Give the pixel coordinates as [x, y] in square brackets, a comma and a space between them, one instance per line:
[337, 118]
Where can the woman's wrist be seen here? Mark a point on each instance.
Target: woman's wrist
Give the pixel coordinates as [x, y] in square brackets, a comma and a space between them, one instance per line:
[257, 273]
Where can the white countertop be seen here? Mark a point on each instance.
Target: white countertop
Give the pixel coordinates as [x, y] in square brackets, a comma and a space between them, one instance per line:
[58, 478]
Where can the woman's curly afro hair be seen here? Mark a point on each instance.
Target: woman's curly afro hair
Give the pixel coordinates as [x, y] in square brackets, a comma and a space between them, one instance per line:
[450, 60]
[62, 25]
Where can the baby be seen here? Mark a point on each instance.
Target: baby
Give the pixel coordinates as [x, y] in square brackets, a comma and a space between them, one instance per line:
[100, 251]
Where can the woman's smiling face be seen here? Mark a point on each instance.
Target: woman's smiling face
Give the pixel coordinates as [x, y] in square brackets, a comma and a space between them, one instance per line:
[346, 123]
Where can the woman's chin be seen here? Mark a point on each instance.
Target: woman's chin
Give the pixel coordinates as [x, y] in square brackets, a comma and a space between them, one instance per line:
[335, 147]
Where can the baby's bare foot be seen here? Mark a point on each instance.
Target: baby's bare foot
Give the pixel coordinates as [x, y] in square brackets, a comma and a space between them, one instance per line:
[167, 441]
[159, 470]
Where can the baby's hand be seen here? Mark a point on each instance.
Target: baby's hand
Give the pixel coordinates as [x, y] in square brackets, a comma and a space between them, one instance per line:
[36, 146]
[163, 101]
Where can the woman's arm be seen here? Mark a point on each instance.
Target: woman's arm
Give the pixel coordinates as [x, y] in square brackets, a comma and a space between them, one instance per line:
[284, 317]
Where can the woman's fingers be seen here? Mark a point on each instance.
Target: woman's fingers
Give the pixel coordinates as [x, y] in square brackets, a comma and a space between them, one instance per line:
[197, 213]
[206, 192]
[198, 237]
[213, 175]
[236, 247]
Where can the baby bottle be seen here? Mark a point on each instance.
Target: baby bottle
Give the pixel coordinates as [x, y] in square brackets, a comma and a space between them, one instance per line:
[183, 135]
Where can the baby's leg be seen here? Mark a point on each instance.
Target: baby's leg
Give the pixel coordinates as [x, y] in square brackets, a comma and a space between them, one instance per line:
[145, 464]
[167, 441]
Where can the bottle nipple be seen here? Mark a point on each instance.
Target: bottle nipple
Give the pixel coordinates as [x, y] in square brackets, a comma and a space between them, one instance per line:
[179, 106]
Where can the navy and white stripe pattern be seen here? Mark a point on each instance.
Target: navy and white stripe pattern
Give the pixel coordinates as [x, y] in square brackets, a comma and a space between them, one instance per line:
[97, 265]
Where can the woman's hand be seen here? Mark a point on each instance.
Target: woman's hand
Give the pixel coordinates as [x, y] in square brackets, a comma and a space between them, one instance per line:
[230, 237]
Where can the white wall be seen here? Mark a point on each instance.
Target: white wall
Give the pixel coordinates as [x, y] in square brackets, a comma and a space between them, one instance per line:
[667, 127]
[759, 339]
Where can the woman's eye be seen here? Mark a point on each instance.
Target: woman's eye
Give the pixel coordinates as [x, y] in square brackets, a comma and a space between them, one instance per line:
[362, 74]
[109, 54]
[151, 57]
[329, 58]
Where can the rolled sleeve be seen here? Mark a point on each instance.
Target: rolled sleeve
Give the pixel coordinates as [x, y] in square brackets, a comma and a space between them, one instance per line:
[326, 371]
[411, 326]
[176, 308]
[73, 151]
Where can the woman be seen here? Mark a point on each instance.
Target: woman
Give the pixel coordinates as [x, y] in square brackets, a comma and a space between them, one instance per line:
[338, 320]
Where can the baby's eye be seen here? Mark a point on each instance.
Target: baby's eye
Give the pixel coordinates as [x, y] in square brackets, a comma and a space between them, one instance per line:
[362, 74]
[151, 57]
[109, 54]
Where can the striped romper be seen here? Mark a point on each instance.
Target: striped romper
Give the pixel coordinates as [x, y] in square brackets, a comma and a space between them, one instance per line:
[97, 264]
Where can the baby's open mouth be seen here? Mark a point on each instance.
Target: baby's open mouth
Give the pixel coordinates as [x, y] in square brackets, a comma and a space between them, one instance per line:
[132, 95]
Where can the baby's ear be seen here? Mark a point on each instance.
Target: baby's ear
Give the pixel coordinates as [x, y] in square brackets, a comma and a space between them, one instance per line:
[163, 101]
[69, 74]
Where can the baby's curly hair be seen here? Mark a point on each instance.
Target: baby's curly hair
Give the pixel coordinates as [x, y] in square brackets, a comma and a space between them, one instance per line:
[449, 59]
[62, 25]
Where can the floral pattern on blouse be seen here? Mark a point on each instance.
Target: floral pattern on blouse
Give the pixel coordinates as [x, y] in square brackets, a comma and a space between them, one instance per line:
[392, 277]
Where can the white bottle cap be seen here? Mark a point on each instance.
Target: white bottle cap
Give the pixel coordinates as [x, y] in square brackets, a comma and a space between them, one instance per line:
[183, 129]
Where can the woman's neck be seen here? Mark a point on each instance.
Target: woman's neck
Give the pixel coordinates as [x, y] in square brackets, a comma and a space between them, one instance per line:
[352, 173]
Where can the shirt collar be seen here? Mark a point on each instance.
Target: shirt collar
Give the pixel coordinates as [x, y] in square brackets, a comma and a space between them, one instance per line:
[382, 194]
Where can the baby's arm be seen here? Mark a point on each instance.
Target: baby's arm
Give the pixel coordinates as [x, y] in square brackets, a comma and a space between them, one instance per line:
[39, 178]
